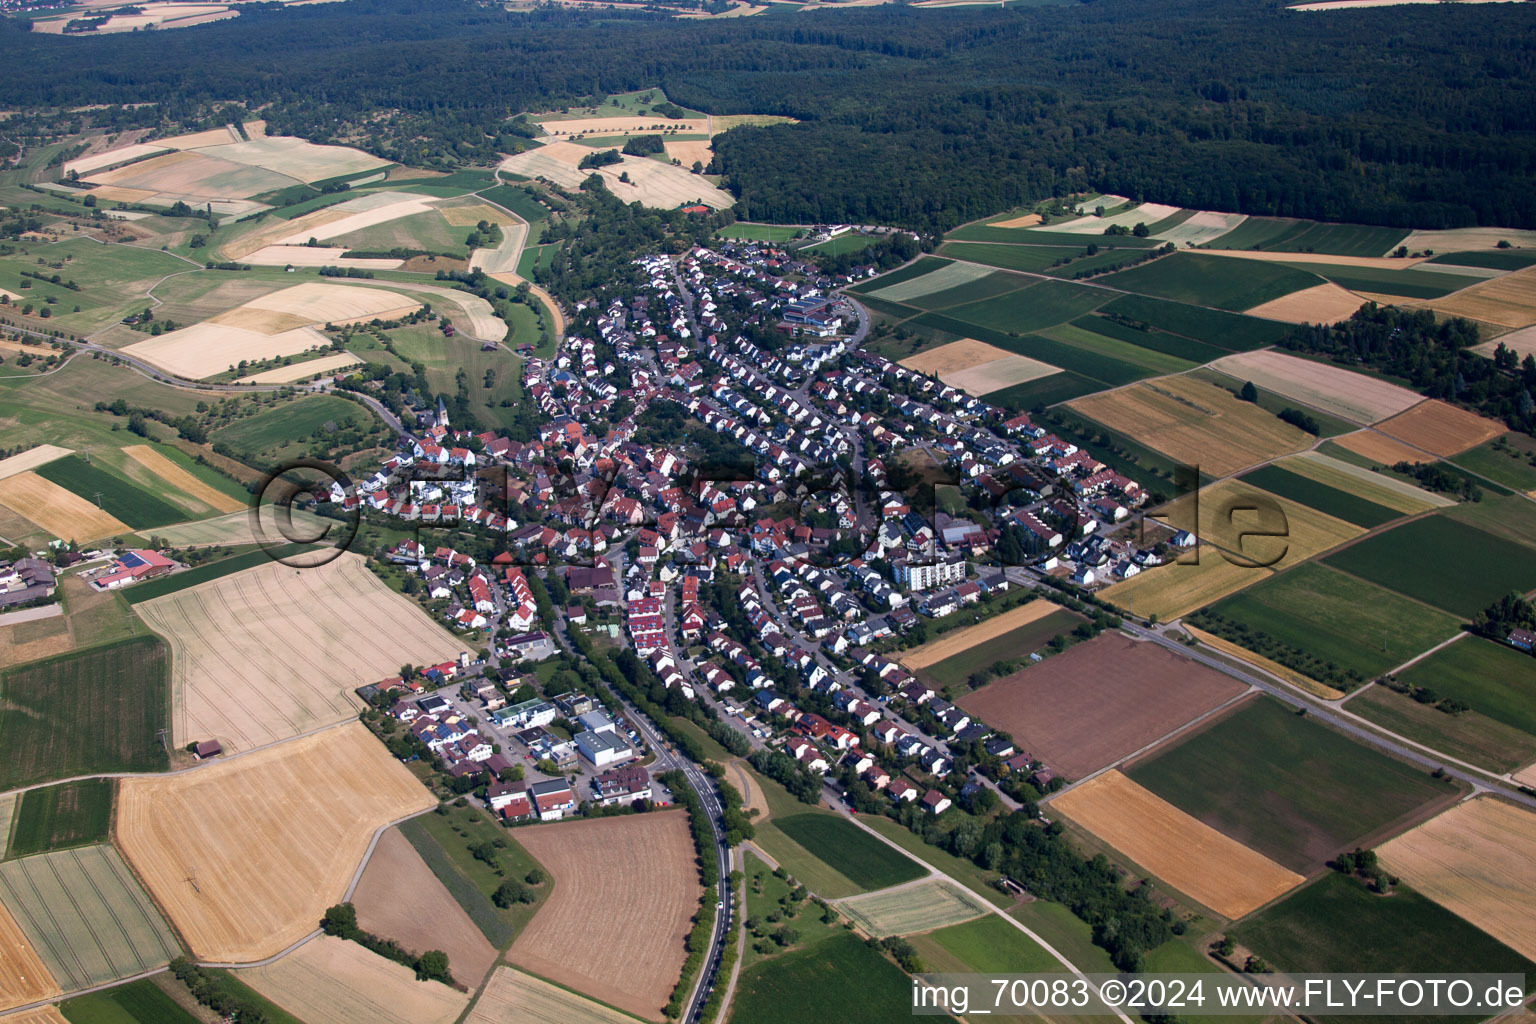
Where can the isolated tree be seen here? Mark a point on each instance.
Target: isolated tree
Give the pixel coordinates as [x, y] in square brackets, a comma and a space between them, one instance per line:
[433, 966]
[1249, 392]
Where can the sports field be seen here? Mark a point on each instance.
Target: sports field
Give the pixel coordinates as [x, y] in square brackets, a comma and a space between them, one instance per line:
[1440, 429]
[399, 898]
[246, 854]
[1099, 701]
[340, 627]
[86, 915]
[339, 982]
[842, 976]
[1197, 423]
[860, 857]
[1443, 563]
[1187, 854]
[92, 711]
[514, 996]
[1475, 861]
[57, 511]
[625, 893]
[1285, 785]
[1316, 616]
[919, 908]
[59, 817]
[1324, 386]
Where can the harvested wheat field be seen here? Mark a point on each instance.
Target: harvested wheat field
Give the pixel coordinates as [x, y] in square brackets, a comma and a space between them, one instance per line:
[236, 528]
[920, 908]
[513, 997]
[1029, 220]
[625, 892]
[305, 226]
[340, 982]
[316, 256]
[1227, 512]
[953, 643]
[1324, 386]
[554, 160]
[179, 478]
[302, 370]
[1181, 850]
[1380, 448]
[1509, 301]
[663, 186]
[1521, 342]
[194, 175]
[113, 157]
[23, 978]
[1099, 702]
[32, 458]
[1203, 228]
[468, 211]
[244, 855]
[1198, 424]
[1475, 860]
[1458, 239]
[690, 151]
[399, 898]
[1172, 590]
[1440, 429]
[625, 126]
[326, 303]
[207, 349]
[1391, 491]
[41, 1015]
[1320, 304]
[296, 158]
[337, 626]
[357, 215]
[61, 513]
[976, 367]
[200, 140]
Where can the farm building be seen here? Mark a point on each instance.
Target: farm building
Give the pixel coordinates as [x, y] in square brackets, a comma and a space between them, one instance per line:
[132, 566]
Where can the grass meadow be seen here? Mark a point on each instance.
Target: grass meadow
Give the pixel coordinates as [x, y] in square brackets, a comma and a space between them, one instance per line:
[842, 977]
[1443, 563]
[138, 1002]
[863, 859]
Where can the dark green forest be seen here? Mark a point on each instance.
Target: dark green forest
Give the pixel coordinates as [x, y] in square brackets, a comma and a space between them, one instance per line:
[1407, 116]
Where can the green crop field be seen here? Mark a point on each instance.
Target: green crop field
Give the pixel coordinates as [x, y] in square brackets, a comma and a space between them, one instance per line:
[129, 503]
[1442, 562]
[522, 201]
[313, 422]
[1221, 281]
[971, 291]
[1276, 234]
[95, 711]
[1231, 331]
[1107, 370]
[1285, 785]
[1336, 924]
[863, 859]
[923, 265]
[1339, 618]
[1414, 284]
[58, 817]
[986, 945]
[1045, 236]
[1047, 303]
[1329, 500]
[1503, 259]
[1043, 391]
[759, 232]
[1101, 262]
[843, 978]
[1507, 460]
[1032, 258]
[1469, 736]
[427, 230]
[1015, 644]
[1496, 680]
[1155, 363]
[138, 1002]
[1157, 341]
[1511, 517]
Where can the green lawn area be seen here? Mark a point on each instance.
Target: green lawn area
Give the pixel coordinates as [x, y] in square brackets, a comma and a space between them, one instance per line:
[1178, 956]
[59, 817]
[1507, 460]
[863, 859]
[1044, 391]
[138, 1002]
[1015, 644]
[97, 710]
[127, 501]
[1338, 618]
[1328, 500]
[520, 200]
[843, 978]
[1469, 736]
[310, 423]
[986, 945]
[1496, 680]
[444, 357]
[759, 232]
[427, 230]
[843, 243]
[1067, 933]
[1285, 785]
[443, 840]
[1336, 924]
[1442, 562]
[819, 876]
[1224, 282]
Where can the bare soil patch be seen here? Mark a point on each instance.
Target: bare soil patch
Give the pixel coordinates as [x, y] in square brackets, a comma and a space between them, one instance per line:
[244, 855]
[625, 892]
[1183, 851]
[514, 997]
[1440, 428]
[1321, 304]
[400, 898]
[1098, 702]
[1380, 448]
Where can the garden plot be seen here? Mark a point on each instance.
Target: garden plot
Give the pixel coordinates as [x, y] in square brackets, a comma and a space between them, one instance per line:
[340, 982]
[1184, 852]
[56, 511]
[1324, 386]
[1321, 304]
[244, 855]
[1201, 229]
[338, 626]
[1475, 860]
[951, 275]
[86, 916]
[1146, 213]
[919, 908]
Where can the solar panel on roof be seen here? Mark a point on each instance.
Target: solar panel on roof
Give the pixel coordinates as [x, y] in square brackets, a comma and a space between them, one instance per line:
[131, 561]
